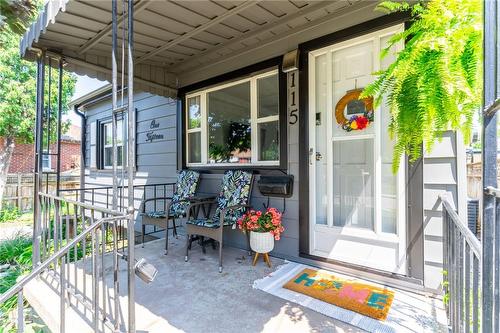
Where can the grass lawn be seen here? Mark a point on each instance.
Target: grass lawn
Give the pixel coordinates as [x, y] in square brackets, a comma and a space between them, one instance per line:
[15, 260]
[12, 216]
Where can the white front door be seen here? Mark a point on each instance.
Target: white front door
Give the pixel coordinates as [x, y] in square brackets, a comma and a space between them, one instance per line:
[357, 203]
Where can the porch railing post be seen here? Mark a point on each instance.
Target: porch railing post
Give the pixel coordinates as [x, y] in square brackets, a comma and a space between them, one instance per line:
[131, 167]
[38, 156]
[59, 129]
[114, 75]
[489, 152]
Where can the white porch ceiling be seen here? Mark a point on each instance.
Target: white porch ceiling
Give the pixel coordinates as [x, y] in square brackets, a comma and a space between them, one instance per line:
[177, 40]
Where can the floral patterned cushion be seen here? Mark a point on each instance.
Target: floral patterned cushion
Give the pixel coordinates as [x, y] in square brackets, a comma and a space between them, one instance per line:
[160, 214]
[187, 182]
[208, 223]
[185, 187]
[235, 190]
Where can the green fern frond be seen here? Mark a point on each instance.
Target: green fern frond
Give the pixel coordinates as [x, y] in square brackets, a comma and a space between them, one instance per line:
[435, 83]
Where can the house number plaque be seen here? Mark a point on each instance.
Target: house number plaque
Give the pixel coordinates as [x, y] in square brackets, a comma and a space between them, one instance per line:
[293, 101]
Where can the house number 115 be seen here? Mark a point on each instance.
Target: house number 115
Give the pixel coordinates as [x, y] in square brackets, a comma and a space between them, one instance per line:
[292, 98]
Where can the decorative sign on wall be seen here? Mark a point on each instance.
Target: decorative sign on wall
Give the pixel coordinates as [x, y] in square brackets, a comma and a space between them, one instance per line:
[154, 124]
[293, 97]
[152, 135]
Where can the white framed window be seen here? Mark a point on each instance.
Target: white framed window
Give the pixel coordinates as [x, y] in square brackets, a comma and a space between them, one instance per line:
[107, 143]
[235, 123]
[46, 162]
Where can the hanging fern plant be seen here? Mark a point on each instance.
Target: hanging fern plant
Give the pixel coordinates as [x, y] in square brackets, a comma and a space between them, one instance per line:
[435, 84]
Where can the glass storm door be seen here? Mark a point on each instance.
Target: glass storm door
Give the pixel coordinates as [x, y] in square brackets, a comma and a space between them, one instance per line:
[356, 201]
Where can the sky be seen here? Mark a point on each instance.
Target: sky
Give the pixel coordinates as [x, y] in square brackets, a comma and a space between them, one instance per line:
[84, 85]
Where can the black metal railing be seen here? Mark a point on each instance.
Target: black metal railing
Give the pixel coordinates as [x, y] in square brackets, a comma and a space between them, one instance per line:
[76, 251]
[463, 272]
[102, 196]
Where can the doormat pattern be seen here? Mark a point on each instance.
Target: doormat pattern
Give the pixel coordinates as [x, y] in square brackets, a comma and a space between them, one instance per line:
[409, 312]
[359, 297]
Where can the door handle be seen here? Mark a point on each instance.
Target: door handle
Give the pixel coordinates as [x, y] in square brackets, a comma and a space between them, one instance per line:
[319, 157]
[311, 152]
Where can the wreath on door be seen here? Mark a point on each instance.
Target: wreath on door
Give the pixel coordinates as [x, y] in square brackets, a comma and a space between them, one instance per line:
[352, 113]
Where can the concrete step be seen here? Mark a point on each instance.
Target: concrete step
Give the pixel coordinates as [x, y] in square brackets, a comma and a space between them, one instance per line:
[44, 298]
[43, 293]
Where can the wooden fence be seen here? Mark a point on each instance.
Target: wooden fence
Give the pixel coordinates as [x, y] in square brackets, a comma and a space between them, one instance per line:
[19, 188]
[474, 183]
[474, 179]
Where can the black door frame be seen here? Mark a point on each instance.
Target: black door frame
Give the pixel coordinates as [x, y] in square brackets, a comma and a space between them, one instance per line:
[415, 255]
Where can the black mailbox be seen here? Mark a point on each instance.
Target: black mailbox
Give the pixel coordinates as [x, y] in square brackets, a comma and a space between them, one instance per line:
[276, 186]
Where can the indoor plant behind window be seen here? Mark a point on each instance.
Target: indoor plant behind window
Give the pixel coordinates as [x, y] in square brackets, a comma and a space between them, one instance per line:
[265, 228]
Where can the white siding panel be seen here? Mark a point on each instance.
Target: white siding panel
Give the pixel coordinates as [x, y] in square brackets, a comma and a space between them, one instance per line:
[432, 193]
[441, 176]
[444, 148]
[433, 223]
[157, 160]
[433, 247]
[440, 171]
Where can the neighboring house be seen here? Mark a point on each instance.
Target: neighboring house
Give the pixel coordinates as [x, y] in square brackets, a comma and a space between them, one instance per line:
[222, 83]
[23, 160]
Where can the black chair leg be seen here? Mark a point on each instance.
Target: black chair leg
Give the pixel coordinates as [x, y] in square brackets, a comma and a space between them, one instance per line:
[143, 232]
[188, 247]
[220, 256]
[175, 229]
[202, 243]
[166, 239]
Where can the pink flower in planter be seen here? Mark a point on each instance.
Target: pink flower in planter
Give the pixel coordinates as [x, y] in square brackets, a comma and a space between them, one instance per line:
[268, 221]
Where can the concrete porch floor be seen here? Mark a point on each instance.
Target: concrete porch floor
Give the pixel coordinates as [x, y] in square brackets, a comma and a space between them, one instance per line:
[194, 297]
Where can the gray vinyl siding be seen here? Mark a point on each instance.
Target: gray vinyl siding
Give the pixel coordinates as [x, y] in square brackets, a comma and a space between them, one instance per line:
[443, 168]
[443, 171]
[156, 162]
[288, 246]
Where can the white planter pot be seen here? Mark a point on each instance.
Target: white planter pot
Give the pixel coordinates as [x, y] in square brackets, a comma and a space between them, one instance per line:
[261, 242]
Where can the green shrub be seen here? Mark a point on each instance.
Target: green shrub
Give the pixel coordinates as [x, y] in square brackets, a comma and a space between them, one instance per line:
[15, 252]
[9, 213]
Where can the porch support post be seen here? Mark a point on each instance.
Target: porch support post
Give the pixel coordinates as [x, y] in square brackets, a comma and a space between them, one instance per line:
[131, 167]
[114, 74]
[489, 163]
[59, 129]
[38, 156]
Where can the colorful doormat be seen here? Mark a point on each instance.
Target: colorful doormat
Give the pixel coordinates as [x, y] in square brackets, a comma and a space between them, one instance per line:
[359, 297]
[409, 312]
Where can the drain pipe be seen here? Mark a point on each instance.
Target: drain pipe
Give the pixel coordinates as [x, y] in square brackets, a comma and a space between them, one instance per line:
[83, 138]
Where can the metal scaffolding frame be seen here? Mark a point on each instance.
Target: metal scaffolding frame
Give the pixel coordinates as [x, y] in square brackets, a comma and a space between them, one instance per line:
[43, 138]
[43, 124]
[491, 205]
